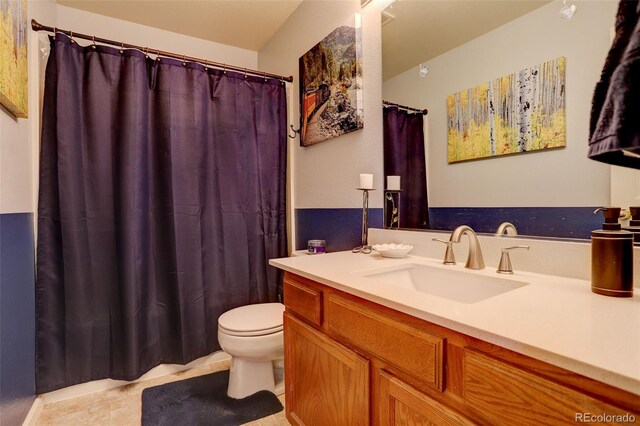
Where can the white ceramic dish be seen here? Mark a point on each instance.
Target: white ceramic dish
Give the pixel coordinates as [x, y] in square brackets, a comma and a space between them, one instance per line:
[393, 250]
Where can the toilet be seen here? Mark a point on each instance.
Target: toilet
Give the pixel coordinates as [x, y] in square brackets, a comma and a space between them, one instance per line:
[253, 336]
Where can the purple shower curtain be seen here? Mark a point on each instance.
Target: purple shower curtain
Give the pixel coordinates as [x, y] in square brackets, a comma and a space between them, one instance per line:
[162, 197]
[404, 156]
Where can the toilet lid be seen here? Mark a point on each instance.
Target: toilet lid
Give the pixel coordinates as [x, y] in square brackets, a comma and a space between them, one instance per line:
[253, 320]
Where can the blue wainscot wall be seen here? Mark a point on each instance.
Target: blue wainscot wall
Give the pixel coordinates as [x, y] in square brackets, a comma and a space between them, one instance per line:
[341, 227]
[561, 222]
[17, 317]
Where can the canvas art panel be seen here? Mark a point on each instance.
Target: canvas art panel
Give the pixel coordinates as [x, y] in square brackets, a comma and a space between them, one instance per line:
[13, 56]
[520, 112]
[331, 85]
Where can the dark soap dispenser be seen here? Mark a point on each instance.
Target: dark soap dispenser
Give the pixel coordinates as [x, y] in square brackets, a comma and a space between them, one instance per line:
[611, 257]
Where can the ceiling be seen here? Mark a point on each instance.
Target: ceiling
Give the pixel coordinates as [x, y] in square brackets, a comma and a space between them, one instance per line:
[248, 24]
[421, 30]
[424, 29]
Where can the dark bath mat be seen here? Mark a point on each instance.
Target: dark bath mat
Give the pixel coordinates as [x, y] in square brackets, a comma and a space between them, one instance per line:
[203, 401]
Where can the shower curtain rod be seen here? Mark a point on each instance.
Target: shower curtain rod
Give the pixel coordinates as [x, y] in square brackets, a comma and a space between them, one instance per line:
[391, 104]
[36, 26]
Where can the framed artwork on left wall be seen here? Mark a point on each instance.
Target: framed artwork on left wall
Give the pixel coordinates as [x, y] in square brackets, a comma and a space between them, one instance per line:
[13, 57]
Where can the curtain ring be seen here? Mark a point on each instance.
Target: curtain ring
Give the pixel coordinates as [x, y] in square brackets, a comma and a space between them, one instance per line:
[184, 62]
[93, 45]
[121, 47]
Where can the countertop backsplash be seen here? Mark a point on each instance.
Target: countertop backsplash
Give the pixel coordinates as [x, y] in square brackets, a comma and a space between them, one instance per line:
[571, 259]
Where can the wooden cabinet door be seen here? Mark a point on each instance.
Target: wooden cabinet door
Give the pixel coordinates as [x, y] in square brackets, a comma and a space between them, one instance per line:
[325, 383]
[402, 404]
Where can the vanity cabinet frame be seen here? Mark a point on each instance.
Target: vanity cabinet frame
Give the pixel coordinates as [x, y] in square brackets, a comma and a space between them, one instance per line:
[420, 370]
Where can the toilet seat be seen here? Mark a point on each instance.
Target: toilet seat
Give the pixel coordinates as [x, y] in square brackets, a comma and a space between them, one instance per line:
[250, 333]
[252, 320]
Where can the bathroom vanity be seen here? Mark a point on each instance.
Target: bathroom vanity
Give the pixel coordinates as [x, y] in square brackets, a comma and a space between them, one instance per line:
[360, 349]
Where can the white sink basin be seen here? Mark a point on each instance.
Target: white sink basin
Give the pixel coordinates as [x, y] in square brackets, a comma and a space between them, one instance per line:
[460, 286]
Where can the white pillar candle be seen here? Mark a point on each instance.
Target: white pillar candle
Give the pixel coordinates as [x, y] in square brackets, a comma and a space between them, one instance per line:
[393, 183]
[366, 181]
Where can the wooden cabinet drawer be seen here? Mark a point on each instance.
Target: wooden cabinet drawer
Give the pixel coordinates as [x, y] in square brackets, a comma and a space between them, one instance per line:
[507, 395]
[409, 349]
[402, 404]
[303, 299]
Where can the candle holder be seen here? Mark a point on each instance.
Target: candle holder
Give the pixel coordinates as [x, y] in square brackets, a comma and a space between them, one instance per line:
[392, 199]
[364, 246]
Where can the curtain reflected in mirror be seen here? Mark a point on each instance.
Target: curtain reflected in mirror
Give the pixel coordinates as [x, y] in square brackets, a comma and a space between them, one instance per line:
[404, 156]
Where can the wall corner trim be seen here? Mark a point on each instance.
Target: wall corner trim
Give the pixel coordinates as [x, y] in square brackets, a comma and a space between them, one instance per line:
[34, 412]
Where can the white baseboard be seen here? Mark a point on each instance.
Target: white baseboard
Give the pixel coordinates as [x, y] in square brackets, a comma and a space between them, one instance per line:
[34, 412]
[101, 385]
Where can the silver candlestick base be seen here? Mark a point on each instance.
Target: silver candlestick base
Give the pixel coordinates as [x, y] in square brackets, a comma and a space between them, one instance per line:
[364, 247]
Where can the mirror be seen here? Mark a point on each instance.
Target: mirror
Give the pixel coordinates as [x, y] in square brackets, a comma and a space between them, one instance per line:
[433, 49]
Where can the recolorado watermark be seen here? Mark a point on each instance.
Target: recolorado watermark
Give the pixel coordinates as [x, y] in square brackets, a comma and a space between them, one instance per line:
[604, 418]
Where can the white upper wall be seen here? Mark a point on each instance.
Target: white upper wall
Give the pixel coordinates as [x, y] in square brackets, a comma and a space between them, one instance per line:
[119, 30]
[563, 177]
[326, 175]
[19, 137]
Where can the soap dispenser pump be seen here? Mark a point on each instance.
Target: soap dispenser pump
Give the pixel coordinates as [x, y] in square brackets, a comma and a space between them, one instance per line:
[611, 257]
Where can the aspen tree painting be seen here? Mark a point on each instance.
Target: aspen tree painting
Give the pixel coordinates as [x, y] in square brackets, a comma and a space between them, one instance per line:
[520, 112]
[13, 56]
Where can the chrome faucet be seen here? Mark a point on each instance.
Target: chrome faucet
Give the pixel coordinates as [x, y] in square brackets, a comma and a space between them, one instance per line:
[474, 260]
[506, 228]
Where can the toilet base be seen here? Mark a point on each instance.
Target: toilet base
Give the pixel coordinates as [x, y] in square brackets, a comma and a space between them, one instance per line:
[278, 374]
[247, 377]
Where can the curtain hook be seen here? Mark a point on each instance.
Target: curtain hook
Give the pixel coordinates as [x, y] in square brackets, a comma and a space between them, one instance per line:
[245, 73]
[71, 38]
[265, 76]
[224, 68]
[184, 62]
[146, 52]
[55, 31]
[158, 55]
[121, 47]
[93, 45]
[206, 64]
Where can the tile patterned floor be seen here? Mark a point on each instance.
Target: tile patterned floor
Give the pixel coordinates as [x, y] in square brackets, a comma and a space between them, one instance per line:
[123, 407]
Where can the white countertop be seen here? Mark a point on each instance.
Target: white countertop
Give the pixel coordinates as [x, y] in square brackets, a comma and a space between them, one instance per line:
[554, 319]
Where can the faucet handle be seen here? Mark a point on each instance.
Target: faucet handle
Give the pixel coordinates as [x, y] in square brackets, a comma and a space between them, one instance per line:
[449, 257]
[505, 261]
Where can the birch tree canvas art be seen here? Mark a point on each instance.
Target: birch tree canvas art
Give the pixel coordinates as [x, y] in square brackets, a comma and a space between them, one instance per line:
[520, 112]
